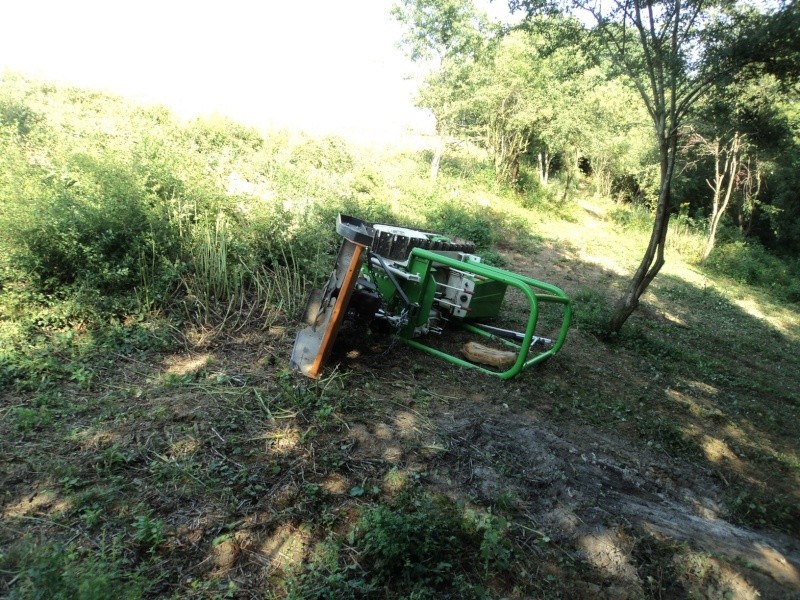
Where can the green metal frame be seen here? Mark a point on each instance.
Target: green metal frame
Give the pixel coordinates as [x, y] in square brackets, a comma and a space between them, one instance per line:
[535, 291]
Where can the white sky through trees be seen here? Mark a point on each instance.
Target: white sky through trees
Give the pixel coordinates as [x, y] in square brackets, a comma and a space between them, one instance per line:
[319, 65]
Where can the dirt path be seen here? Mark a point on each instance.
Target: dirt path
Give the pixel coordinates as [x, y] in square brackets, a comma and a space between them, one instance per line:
[590, 491]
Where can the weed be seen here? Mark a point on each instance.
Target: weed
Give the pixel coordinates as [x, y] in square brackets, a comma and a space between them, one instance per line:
[148, 532]
[280, 290]
[113, 459]
[754, 505]
[491, 257]
[506, 501]
[635, 217]
[495, 548]
[418, 546]
[654, 561]
[49, 570]
[749, 263]
[70, 483]
[592, 312]
[30, 419]
[663, 433]
[176, 380]
[213, 589]
[686, 235]
[454, 219]
[326, 577]
[92, 516]
[418, 542]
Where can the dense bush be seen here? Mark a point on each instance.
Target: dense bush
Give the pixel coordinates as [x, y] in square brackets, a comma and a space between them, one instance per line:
[749, 263]
[53, 571]
[465, 222]
[103, 243]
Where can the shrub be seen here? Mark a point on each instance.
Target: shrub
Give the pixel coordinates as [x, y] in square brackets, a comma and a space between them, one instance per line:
[60, 572]
[634, 216]
[99, 244]
[329, 153]
[749, 262]
[465, 222]
[537, 194]
[426, 545]
[418, 546]
[417, 543]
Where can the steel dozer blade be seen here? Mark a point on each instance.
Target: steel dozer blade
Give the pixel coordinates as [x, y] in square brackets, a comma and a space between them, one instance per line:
[327, 308]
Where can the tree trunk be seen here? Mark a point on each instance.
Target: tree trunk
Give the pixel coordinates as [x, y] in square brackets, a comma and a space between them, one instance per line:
[653, 258]
[514, 172]
[567, 185]
[438, 152]
[752, 187]
[572, 174]
[720, 203]
[544, 167]
[716, 217]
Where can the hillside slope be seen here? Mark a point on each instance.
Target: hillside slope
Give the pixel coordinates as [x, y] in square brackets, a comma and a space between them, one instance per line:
[664, 464]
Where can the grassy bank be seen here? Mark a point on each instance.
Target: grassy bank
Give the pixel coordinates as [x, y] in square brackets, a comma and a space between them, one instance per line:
[153, 442]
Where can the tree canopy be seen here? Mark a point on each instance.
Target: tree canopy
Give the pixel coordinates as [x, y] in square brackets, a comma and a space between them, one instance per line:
[574, 84]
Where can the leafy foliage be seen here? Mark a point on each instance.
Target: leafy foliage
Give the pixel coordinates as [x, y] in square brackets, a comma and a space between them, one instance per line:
[418, 546]
[61, 572]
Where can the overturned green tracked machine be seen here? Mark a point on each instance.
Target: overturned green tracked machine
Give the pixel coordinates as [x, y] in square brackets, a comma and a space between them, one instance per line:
[421, 284]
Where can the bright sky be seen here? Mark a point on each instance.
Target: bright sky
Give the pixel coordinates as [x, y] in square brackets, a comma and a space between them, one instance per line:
[320, 65]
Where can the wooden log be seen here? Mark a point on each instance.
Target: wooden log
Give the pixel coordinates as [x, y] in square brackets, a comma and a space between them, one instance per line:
[478, 353]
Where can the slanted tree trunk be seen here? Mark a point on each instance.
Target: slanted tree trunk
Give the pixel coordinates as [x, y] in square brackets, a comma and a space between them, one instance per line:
[661, 44]
[670, 50]
[653, 258]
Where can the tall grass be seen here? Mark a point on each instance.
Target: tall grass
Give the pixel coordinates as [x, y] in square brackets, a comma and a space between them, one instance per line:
[225, 289]
[743, 260]
[686, 237]
[280, 291]
[215, 277]
[150, 218]
[748, 262]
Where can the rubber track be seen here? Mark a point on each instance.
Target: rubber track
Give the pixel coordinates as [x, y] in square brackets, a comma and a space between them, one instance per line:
[399, 247]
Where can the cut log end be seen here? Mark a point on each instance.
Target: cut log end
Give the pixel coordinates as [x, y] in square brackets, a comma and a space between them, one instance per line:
[478, 353]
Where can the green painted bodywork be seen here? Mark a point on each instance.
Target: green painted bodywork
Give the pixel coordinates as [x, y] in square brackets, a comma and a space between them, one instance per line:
[487, 299]
[491, 284]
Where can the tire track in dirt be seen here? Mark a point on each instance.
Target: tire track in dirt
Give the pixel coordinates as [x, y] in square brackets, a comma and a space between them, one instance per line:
[584, 488]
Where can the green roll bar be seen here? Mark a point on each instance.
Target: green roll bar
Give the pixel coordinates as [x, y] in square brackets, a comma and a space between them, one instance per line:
[535, 291]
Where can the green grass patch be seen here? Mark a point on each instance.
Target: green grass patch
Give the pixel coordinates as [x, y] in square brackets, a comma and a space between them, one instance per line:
[48, 570]
[418, 546]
